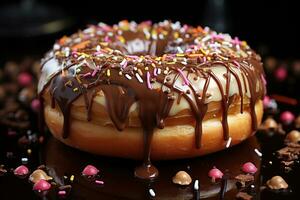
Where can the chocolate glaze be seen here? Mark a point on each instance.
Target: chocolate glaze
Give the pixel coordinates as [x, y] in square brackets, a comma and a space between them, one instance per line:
[89, 66]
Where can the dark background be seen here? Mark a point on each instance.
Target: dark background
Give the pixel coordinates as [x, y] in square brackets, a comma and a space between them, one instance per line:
[271, 28]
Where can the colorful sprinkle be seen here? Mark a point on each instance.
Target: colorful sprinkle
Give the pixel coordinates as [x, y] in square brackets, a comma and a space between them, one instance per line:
[148, 81]
[186, 81]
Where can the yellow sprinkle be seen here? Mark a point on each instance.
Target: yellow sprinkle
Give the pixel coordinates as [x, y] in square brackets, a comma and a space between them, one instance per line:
[171, 63]
[244, 43]
[146, 68]
[72, 178]
[180, 55]
[79, 81]
[176, 35]
[122, 39]
[140, 72]
[29, 151]
[75, 89]
[120, 73]
[153, 65]
[108, 72]
[194, 55]
[204, 52]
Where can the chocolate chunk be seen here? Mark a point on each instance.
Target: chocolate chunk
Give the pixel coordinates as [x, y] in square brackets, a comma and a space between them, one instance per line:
[276, 183]
[242, 179]
[289, 153]
[244, 196]
[182, 178]
[293, 137]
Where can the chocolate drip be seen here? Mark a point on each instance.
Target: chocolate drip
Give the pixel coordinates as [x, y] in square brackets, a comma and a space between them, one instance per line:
[64, 89]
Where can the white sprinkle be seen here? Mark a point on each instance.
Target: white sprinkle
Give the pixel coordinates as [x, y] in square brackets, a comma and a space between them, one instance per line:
[228, 142]
[206, 38]
[139, 78]
[81, 57]
[158, 71]
[154, 36]
[24, 159]
[252, 186]
[128, 76]
[258, 152]
[56, 46]
[179, 50]
[184, 63]
[98, 48]
[151, 192]
[123, 62]
[161, 36]
[196, 185]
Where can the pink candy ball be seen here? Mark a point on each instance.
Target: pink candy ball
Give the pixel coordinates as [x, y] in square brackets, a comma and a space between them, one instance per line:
[266, 101]
[215, 173]
[287, 117]
[281, 73]
[35, 105]
[24, 79]
[21, 170]
[90, 170]
[249, 167]
[41, 185]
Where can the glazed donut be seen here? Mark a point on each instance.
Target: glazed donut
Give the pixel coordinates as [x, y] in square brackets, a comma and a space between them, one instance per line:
[160, 91]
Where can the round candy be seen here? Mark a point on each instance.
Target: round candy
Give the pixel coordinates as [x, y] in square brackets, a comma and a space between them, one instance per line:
[287, 117]
[249, 167]
[90, 170]
[21, 170]
[281, 73]
[215, 173]
[24, 79]
[41, 185]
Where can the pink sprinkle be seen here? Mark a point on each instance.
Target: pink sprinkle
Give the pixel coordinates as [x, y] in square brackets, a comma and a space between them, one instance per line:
[287, 117]
[21, 170]
[155, 72]
[94, 72]
[148, 81]
[186, 81]
[281, 73]
[35, 105]
[106, 39]
[62, 192]
[87, 74]
[90, 170]
[41, 185]
[236, 41]
[249, 167]
[125, 64]
[74, 54]
[266, 101]
[24, 79]
[215, 173]
[99, 182]
[236, 63]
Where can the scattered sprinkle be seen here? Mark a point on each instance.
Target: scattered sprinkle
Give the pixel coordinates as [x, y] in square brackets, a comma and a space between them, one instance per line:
[72, 178]
[196, 185]
[258, 152]
[99, 182]
[151, 192]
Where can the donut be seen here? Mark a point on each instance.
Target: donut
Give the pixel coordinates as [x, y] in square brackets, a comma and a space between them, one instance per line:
[151, 91]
